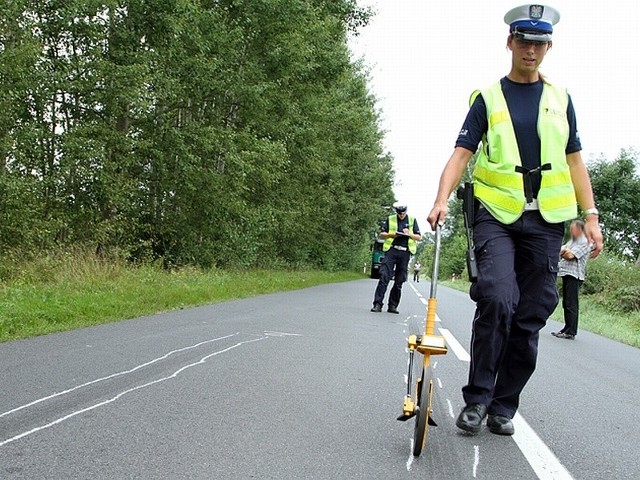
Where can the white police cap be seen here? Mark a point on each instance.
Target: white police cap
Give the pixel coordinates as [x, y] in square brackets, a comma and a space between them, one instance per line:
[400, 207]
[532, 22]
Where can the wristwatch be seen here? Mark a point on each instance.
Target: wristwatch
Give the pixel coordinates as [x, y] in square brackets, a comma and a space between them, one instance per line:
[591, 211]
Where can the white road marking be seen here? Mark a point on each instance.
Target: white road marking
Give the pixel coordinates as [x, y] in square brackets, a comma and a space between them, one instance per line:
[451, 414]
[108, 377]
[411, 457]
[543, 461]
[121, 394]
[540, 457]
[424, 301]
[439, 382]
[438, 319]
[435, 364]
[415, 290]
[476, 460]
[458, 349]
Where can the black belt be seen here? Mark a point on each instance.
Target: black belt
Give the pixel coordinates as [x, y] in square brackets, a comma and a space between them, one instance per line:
[526, 177]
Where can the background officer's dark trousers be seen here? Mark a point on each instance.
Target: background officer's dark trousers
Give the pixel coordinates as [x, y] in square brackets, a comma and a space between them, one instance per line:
[570, 303]
[394, 260]
[515, 294]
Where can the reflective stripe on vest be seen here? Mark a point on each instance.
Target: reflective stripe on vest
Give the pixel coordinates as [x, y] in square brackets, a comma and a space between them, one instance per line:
[393, 228]
[498, 185]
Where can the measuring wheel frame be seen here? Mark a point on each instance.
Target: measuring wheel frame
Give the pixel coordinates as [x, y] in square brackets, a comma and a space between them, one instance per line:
[418, 402]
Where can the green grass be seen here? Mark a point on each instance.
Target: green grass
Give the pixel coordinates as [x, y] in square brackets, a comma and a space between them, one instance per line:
[74, 293]
[594, 317]
[623, 327]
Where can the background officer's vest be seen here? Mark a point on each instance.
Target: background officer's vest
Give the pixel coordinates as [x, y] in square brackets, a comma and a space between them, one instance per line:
[496, 182]
[393, 228]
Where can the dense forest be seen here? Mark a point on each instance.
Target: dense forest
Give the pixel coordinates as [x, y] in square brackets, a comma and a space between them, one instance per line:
[203, 132]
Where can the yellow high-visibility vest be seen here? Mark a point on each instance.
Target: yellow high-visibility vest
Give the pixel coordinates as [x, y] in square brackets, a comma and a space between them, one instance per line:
[393, 228]
[497, 184]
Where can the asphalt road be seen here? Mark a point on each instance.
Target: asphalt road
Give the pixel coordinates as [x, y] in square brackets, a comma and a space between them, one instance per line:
[304, 384]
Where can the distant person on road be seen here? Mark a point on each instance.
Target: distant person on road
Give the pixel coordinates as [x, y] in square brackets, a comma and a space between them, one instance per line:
[416, 272]
[528, 176]
[400, 233]
[571, 268]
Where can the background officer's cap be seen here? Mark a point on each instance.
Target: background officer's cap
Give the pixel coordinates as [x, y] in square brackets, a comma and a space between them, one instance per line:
[532, 22]
[400, 207]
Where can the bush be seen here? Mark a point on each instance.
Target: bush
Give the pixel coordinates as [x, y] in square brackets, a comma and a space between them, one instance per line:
[614, 283]
[626, 299]
[606, 274]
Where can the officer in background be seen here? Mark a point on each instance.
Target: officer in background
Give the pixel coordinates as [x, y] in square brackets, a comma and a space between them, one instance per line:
[400, 233]
[528, 175]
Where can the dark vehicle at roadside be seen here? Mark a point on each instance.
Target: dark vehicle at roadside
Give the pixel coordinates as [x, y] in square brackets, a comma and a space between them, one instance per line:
[376, 257]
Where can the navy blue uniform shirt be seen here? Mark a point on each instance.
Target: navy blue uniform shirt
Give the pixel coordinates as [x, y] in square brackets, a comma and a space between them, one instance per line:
[402, 224]
[523, 102]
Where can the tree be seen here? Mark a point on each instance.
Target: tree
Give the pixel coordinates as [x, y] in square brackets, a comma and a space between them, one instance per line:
[616, 186]
[196, 132]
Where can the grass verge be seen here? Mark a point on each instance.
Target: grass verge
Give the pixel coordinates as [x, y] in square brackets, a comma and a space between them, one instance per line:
[594, 317]
[90, 292]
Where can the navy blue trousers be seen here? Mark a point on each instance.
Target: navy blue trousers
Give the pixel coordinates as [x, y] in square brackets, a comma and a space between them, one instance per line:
[394, 262]
[515, 293]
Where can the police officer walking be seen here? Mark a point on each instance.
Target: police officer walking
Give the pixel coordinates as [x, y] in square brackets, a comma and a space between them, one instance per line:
[528, 177]
[400, 233]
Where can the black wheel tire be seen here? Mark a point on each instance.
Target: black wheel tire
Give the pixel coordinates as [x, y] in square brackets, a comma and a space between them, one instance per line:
[424, 397]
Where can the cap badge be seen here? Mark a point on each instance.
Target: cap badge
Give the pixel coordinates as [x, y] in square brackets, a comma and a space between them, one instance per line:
[536, 11]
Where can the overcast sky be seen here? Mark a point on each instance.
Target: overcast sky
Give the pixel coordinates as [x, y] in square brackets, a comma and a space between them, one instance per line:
[426, 57]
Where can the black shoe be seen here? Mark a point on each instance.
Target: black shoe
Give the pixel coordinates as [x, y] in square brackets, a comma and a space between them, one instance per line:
[500, 425]
[376, 308]
[558, 334]
[392, 310]
[471, 416]
[566, 336]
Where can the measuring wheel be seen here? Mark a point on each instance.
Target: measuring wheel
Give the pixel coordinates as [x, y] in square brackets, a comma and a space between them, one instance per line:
[424, 387]
[418, 403]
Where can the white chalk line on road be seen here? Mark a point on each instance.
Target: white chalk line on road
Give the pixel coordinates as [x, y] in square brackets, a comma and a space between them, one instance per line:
[451, 414]
[115, 375]
[411, 457]
[476, 460]
[270, 333]
[133, 389]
